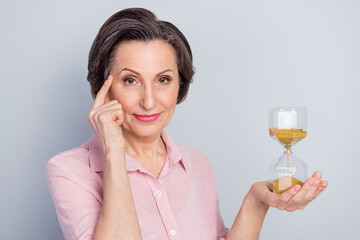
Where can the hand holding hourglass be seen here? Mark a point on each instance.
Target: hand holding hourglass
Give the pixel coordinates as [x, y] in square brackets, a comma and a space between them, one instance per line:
[289, 185]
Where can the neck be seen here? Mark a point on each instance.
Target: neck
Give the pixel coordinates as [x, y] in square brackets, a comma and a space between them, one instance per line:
[144, 147]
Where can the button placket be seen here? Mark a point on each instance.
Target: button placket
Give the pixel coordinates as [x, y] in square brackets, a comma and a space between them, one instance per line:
[158, 193]
[163, 205]
[172, 232]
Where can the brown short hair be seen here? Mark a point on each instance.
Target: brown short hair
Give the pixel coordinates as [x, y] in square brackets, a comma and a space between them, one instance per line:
[141, 25]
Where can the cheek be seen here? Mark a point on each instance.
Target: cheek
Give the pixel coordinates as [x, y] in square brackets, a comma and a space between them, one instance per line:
[125, 98]
[171, 98]
[174, 91]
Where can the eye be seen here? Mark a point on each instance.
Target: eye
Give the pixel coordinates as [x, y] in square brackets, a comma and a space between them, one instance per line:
[163, 80]
[129, 81]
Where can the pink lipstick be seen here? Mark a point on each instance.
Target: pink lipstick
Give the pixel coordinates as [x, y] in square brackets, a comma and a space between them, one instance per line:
[147, 118]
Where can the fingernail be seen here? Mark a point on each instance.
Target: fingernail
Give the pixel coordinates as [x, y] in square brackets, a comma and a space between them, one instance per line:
[311, 181]
[324, 184]
[297, 188]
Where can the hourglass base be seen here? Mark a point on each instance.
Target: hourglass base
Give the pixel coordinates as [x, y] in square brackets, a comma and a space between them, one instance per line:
[282, 184]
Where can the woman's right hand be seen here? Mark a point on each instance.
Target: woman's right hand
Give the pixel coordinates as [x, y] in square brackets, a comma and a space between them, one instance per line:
[105, 119]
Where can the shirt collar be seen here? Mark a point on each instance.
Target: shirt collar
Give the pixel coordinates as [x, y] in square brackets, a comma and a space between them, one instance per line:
[96, 157]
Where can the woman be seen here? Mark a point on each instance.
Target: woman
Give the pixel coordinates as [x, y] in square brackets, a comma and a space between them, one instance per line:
[131, 181]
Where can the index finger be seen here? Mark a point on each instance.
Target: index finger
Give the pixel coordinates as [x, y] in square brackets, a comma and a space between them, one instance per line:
[101, 95]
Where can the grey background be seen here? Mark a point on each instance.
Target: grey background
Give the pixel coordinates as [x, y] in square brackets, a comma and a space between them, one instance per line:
[249, 56]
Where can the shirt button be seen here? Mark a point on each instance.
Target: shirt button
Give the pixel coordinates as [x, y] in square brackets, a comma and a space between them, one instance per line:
[172, 233]
[159, 193]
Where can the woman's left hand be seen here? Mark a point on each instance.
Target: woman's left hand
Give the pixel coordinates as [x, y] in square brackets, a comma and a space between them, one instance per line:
[295, 198]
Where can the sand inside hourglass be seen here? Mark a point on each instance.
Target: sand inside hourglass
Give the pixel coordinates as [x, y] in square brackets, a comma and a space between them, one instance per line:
[288, 137]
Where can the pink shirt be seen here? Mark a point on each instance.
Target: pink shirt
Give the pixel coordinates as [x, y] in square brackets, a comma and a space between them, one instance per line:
[180, 204]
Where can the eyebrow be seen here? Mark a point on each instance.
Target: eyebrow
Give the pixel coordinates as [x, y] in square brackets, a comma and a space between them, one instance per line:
[130, 70]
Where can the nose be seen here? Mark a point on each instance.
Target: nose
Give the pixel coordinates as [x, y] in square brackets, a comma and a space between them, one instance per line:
[148, 101]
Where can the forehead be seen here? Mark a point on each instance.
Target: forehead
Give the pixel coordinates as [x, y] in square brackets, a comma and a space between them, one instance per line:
[154, 55]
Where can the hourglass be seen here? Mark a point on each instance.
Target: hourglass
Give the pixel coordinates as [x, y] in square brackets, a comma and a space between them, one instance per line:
[287, 125]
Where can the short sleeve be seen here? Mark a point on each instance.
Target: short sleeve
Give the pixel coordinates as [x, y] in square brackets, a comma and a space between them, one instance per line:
[77, 208]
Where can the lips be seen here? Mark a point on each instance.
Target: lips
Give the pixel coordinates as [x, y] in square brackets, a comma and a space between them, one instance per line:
[147, 118]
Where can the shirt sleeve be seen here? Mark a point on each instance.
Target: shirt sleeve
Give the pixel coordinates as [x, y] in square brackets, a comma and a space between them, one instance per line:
[77, 208]
[222, 231]
[77, 202]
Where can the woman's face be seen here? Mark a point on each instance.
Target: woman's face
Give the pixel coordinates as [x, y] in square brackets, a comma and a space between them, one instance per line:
[146, 84]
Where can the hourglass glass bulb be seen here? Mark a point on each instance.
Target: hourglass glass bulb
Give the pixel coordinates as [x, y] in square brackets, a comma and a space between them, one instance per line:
[287, 125]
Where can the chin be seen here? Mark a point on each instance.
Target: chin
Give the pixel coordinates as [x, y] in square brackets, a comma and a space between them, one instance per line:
[147, 131]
